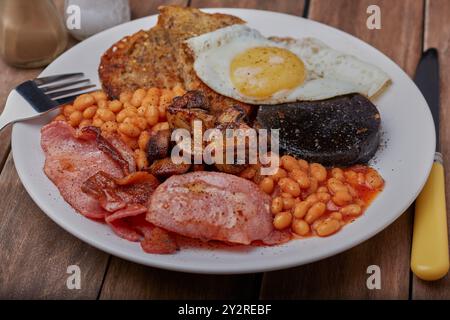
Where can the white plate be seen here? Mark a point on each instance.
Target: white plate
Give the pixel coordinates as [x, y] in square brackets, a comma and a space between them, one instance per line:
[404, 161]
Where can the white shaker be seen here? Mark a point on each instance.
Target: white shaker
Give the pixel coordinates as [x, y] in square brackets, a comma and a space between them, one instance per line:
[94, 16]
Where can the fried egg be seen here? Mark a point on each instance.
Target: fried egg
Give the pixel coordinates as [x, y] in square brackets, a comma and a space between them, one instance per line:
[240, 63]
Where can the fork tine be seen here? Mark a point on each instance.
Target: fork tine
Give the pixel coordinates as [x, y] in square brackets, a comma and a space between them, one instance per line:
[45, 80]
[65, 92]
[63, 85]
[68, 99]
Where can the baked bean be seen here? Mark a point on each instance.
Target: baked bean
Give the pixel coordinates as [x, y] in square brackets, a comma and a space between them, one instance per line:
[109, 126]
[304, 165]
[141, 111]
[342, 198]
[279, 173]
[286, 195]
[68, 109]
[328, 227]
[267, 185]
[125, 96]
[300, 227]
[141, 159]
[83, 101]
[139, 122]
[301, 177]
[316, 210]
[129, 130]
[374, 180]
[144, 137]
[105, 114]
[97, 122]
[361, 178]
[75, 118]
[138, 96]
[313, 185]
[152, 115]
[152, 97]
[318, 171]
[338, 174]
[288, 203]
[282, 220]
[351, 177]
[102, 104]
[352, 191]
[351, 210]
[323, 196]
[89, 112]
[290, 186]
[59, 117]
[312, 198]
[99, 95]
[289, 163]
[130, 108]
[336, 215]
[115, 106]
[277, 205]
[360, 202]
[322, 189]
[85, 123]
[335, 185]
[301, 209]
[125, 113]
[161, 126]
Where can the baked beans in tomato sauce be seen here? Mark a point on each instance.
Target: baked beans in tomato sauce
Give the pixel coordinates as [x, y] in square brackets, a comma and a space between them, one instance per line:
[309, 199]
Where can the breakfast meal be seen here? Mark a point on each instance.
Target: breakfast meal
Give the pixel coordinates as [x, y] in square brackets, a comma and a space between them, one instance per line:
[175, 146]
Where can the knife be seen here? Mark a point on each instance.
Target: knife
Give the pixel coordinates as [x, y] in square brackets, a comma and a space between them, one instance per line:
[429, 254]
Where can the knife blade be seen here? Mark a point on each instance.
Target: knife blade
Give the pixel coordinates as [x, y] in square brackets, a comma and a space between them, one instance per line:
[429, 254]
[427, 80]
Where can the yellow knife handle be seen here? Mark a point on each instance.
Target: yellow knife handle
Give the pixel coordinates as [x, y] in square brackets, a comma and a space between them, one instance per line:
[429, 256]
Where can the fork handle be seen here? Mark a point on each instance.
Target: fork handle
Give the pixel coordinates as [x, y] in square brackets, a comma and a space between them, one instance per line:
[429, 255]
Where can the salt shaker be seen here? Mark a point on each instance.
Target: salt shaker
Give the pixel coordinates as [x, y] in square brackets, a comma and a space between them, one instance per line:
[96, 16]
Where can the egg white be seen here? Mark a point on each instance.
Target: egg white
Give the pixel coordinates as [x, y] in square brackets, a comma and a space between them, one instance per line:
[329, 73]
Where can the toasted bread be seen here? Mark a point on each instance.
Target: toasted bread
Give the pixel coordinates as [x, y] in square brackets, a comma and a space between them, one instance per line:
[157, 57]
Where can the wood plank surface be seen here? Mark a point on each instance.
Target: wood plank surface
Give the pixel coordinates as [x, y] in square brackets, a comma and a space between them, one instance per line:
[35, 252]
[344, 276]
[143, 8]
[294, 7]
[437, 35]
[126, 280]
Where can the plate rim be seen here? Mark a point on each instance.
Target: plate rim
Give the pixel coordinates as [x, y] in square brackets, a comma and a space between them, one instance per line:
[177, 266]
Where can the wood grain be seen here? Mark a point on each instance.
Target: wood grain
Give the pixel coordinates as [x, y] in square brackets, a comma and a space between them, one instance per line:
[35, 252]
[294, 7]
[437, 35]
[143, 8]
[344, 276]
[126, 280]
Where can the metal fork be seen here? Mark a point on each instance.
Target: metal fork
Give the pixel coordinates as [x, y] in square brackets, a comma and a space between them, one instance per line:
[43, 95]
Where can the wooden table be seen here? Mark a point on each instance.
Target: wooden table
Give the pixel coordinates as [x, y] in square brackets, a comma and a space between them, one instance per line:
[35, 252]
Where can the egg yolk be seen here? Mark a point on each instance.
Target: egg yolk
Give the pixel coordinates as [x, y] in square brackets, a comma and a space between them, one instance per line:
[260, 72]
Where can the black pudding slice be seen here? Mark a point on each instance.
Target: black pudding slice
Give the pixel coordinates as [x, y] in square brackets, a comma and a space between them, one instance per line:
[340, 131]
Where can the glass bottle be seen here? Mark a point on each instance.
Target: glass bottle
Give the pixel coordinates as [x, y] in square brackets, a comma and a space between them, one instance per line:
[32, 33]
